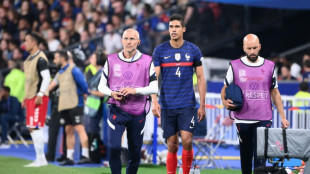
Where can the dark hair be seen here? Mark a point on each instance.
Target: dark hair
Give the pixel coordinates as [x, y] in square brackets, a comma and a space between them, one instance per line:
[35, 37]
[177, 17]
[160, 4]
[6, 88]
[62, 54]
[303, 86]
[148, 8]
[101, 58]
[307, 63]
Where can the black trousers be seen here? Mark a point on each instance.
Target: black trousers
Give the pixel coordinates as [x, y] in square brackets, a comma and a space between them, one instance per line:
[53, 130]
[248, 145]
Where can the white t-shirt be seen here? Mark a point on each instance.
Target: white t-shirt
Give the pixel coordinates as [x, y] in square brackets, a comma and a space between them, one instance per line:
[53, 45]
[112, 43]
[230, 79]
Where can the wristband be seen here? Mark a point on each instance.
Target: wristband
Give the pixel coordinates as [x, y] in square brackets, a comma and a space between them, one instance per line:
[41, 94]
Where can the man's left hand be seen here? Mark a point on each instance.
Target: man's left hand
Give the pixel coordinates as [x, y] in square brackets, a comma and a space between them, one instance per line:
[38, 100]
[201, 114]
[126, 91]
[285, 123]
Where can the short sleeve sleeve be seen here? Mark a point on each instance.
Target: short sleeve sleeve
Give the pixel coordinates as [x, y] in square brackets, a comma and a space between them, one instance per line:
[156, 57]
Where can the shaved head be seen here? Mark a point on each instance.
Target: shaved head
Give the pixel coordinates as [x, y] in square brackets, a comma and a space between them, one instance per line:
[250, 38]
[130, 42]
[131, 30]
[251, 47]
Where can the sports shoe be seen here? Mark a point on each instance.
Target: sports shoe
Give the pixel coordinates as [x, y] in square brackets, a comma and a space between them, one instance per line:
[37, 163]
[84, 160]
[49, 159]
[67, 161]
[62, 158]
[5, 145]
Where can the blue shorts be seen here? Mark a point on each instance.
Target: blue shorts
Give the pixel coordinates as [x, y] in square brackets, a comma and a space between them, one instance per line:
[174, 120]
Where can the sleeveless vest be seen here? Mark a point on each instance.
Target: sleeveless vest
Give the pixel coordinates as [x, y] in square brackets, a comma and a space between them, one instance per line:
[68, 97]
[129, 74]
[255, 83]
[32, 76]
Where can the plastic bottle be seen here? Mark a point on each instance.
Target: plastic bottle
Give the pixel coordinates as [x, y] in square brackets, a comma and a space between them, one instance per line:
[191, 171]
[288, 170]
[180, 169]
[197, 170]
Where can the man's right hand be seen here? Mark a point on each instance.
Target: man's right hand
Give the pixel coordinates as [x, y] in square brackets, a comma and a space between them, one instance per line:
[156, 109]
[23, 103]
[117, 96]
[228, 104]
[38, 100]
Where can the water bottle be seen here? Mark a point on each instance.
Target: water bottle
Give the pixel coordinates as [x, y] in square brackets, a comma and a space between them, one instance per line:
[197, 170]
[180, 170]
[288, 170]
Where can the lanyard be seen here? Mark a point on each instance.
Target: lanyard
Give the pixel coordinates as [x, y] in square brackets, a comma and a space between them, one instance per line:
[134, 56]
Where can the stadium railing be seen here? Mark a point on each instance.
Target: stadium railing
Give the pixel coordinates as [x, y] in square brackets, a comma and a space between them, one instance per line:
[298, 116]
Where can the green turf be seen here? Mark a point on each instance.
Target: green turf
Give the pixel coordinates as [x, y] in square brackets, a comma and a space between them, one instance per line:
[11, 165]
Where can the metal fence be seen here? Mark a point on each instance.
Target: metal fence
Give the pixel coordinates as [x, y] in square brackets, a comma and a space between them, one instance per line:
[297, 112]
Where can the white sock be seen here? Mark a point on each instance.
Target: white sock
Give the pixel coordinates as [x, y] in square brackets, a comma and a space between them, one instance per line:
[85, 152]
[70, 153]
[38, 142]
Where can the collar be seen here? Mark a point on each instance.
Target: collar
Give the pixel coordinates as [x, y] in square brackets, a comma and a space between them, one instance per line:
[135, 57]
[34, 55]
[249, 63]
[64, 68]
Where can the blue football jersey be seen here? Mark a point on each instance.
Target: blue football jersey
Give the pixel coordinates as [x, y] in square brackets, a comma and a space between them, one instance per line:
[177, 68]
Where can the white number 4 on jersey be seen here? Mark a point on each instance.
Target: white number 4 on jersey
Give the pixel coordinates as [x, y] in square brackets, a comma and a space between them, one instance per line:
[178, 72]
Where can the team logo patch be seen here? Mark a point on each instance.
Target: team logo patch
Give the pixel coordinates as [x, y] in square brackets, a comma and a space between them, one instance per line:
[187, 56]
[62, 121]
[166, 57]
[262, 70]
[141, 120]
[128, 75]
[254, 86]
[77, 119]
[177, 56]
[242, 75]
[117, 70]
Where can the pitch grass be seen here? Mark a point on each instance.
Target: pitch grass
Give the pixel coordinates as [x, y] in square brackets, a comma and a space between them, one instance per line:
[11, 165]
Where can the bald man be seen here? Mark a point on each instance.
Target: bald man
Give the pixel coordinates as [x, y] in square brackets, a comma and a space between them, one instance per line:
[128, 78]
[257, 79]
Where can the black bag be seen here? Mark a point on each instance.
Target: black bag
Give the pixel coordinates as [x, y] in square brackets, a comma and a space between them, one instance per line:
[97, 150]
[270, 170]
[234, 93]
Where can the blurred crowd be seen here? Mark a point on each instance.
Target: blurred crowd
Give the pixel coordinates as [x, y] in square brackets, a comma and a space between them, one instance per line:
[64, 24]
[87, 27]
[288, 70]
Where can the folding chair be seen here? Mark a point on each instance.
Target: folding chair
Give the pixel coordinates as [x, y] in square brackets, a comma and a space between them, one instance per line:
[210, 143]
[15, 128]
